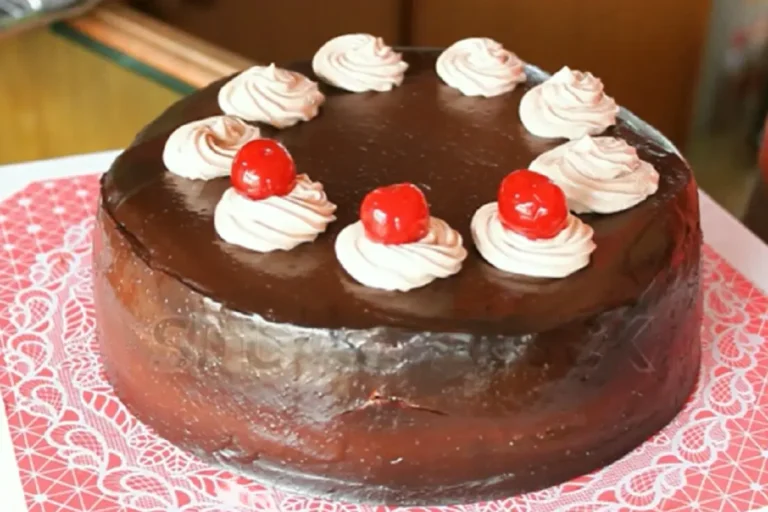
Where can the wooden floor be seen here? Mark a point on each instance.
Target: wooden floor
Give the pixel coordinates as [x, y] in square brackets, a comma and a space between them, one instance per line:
[58, 98]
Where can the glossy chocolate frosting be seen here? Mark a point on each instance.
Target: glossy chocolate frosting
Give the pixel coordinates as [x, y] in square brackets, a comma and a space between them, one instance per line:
[476, 386]
[456, 148]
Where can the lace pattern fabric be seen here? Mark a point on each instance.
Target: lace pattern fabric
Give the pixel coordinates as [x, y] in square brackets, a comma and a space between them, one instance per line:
[77, 446]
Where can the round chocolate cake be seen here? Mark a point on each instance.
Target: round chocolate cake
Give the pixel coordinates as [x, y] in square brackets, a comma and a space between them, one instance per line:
[480, 384]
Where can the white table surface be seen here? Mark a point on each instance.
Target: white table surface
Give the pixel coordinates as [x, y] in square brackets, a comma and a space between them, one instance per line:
[724, 233]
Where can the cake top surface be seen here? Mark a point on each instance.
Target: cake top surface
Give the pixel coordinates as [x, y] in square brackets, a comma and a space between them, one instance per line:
[456, 148]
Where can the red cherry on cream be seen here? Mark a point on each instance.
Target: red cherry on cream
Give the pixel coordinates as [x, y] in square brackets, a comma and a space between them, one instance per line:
[395, 214]
[263, 168]
[532, 205]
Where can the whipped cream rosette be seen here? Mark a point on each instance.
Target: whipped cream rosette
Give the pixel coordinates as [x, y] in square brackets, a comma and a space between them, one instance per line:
[359, 63]
[479, 66]
[570, 104]
[269, 207]
[599, 174]
[271, 95]
[529, 230]
[204, 149]
[396, 244]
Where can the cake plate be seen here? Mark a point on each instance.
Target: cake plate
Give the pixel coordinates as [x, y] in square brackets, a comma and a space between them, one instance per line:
[68, 444]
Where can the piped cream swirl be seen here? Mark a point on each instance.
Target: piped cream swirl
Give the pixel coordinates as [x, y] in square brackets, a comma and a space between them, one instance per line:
[204, 149]
[271, 95]
[358, 63]
[277, 222]
[570, 104]
[400, 267]
[598, 174]
[506, 250]
[479, 66]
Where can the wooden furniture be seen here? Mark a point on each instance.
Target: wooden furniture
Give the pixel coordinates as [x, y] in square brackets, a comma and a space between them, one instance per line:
[184, 44]
[167, 51]
[280, 31]
[91, 83]
[632, 46]
[52, 106]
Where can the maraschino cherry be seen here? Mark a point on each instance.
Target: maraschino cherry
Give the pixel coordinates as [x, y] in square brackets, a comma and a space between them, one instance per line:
[263, 168]
[532, 205]
[395, 214]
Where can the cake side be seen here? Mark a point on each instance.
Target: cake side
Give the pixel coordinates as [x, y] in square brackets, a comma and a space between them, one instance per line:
[478, 386]
[390, 416]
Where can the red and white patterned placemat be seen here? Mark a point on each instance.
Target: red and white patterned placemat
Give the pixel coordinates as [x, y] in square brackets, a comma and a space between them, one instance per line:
[78, 449]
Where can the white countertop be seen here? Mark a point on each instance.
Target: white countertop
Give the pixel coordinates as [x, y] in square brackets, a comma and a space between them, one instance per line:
[743, 250]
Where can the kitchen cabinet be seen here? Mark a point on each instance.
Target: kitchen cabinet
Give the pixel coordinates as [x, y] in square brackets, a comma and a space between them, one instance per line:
[91, 83]
[647, 53]
[280, 31]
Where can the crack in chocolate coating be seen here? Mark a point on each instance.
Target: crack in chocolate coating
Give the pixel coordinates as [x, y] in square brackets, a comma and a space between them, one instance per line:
[487, 384]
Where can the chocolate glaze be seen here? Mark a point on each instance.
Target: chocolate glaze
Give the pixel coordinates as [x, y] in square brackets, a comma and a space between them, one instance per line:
[477, 386]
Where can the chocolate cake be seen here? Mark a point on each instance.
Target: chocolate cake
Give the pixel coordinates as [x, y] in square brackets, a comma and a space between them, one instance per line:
[476, 386]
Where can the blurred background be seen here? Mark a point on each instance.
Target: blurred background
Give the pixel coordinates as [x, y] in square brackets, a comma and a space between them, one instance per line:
[73, 82]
